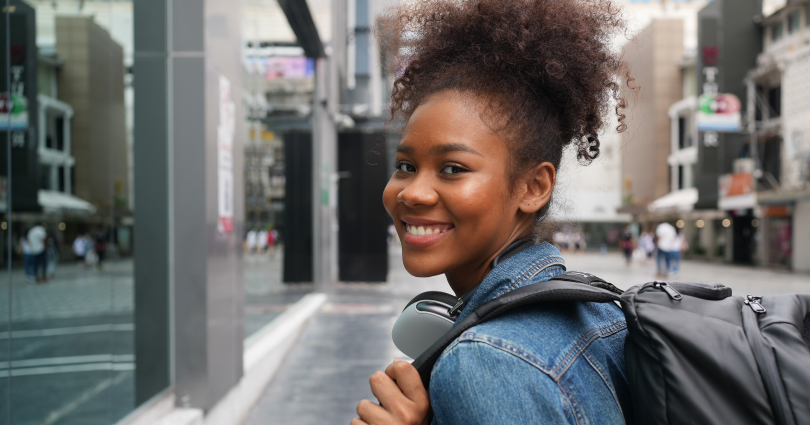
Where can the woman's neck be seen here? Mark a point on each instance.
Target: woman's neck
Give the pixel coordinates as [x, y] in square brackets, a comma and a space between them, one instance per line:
[464, 278]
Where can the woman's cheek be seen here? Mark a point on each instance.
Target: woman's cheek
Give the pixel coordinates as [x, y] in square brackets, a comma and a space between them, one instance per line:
[390, 197]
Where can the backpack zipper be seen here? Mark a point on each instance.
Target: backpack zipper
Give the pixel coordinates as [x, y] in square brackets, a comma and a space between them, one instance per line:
[754, 303]
[675, 295]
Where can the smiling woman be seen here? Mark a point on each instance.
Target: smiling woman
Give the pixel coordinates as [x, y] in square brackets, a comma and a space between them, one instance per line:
[490, 94]
[450, 181]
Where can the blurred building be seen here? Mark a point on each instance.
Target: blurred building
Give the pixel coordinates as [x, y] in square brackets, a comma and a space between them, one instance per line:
[778, 121]
[588, 197]
[92, 82]
[692, 126]
[653, 55]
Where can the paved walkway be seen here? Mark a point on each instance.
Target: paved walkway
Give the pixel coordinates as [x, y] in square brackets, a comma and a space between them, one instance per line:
[327, 372]
[72, 338]
[742, 280]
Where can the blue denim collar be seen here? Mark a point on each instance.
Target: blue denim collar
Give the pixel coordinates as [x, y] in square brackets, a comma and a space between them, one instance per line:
[519, 270]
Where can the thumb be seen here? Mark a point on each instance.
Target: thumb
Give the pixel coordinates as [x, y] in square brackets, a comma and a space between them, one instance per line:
[408, 380]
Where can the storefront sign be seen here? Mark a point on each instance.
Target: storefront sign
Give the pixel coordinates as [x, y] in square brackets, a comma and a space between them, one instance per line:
[225, 134]
[287, 67]
[19, 120]
[13, 111]
[736, 191]
[718, 112]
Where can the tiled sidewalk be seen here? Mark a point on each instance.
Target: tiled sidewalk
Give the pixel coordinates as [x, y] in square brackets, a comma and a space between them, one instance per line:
[327, 372]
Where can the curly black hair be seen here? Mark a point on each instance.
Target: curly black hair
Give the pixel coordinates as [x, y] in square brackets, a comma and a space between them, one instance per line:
[546, 68]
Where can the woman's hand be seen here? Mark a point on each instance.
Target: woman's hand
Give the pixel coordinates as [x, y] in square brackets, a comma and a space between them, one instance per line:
[403, 398]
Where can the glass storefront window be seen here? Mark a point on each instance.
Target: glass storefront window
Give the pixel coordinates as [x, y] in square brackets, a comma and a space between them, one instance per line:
[280, 81]
[66, 297]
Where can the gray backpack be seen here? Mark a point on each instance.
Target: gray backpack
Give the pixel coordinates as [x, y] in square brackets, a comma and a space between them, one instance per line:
[694, 353]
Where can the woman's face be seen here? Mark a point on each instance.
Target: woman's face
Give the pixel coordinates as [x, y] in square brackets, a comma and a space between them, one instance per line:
[449, 195]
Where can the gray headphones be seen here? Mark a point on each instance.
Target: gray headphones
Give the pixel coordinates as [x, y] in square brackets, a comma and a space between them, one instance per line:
[430, 315]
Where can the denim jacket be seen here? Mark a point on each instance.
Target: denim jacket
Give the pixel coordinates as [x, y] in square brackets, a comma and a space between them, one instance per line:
[558, 363]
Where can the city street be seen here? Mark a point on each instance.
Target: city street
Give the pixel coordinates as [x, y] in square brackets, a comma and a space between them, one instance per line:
[72, 346]
[79, 326]
[327, 372]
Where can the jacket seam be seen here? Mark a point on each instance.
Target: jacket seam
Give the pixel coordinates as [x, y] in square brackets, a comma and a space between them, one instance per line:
[536, 268]
[578, 415]
[585, 341]
[567, 396]
[603, 374]
[555, 374]
[507, 347]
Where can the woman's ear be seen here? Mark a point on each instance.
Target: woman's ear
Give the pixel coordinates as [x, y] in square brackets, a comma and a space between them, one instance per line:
[539, 184]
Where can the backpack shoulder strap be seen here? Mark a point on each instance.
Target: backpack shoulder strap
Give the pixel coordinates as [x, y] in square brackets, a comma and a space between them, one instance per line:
[569, 286]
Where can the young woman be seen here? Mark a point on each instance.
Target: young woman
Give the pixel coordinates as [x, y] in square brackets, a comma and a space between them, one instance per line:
[491, 92]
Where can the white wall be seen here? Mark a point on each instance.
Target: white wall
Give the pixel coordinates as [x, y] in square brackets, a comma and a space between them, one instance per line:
[796, 120]
[591, 193]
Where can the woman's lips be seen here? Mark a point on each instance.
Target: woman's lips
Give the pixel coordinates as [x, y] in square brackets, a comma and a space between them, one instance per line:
[423, 233]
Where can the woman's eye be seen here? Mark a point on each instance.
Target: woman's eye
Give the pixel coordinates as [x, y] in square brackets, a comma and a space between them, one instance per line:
[452, 169]
[404, 167]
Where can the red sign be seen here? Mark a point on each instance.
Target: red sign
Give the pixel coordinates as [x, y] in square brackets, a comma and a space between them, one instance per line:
[710, 55]
[736, 184]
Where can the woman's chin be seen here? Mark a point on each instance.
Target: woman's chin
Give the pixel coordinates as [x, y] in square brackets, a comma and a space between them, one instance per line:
[417, 268]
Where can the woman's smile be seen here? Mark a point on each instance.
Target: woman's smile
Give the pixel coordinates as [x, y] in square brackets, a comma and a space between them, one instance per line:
[421, 233]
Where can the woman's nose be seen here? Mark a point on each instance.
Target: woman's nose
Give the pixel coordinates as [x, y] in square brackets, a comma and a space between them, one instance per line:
[417, 193]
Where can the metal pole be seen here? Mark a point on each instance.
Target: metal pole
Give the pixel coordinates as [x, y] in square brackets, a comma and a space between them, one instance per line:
[10, 245]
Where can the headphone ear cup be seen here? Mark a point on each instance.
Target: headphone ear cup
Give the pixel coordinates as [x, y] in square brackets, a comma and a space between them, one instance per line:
[441, 297]
[423, 321]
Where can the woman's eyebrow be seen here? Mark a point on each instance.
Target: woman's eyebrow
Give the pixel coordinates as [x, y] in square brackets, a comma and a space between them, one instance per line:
[452, 147]
[404, 149]
[441, 149]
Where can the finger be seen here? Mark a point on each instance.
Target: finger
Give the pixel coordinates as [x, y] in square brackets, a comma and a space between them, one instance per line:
[358, 421]
[408, 380]
[372, 413]
[386, 390]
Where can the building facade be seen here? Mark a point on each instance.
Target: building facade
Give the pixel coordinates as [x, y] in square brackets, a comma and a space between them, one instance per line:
[653, 56]
[778, 123]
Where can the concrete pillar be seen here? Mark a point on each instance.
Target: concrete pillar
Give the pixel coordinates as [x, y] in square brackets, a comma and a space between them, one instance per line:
[801, 236]
[188, 273]
[324, 168]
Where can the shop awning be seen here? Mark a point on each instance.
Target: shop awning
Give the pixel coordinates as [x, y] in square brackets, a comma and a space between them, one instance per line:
[60, 202]
[678, 201]
[776, 197]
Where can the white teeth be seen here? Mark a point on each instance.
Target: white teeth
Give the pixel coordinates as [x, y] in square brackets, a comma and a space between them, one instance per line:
[422, 230]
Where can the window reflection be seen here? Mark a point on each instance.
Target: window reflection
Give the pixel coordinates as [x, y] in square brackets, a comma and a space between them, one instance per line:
[68, 324]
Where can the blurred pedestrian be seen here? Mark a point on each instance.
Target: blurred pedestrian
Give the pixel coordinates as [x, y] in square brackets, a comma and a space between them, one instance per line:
[647, 245]
[250, 240]
[272, 238]
[51, 256]
[579, 242]
[80, 248]
[37, 243]
[626, 242]
[261, 241]
[561, 241]
[679, 245]
[100, 248]
[24, 249]
[665, 235]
